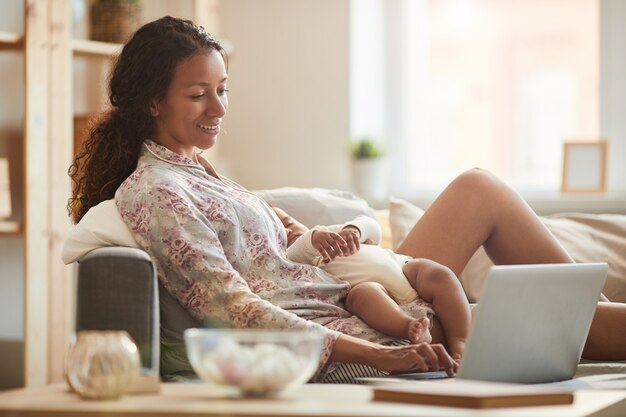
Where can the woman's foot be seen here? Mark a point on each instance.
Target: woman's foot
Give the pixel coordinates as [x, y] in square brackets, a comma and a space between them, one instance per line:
[419, 331]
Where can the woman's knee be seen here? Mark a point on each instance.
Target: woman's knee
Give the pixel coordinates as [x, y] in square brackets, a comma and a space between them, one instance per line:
[478, 181]
[481, 188]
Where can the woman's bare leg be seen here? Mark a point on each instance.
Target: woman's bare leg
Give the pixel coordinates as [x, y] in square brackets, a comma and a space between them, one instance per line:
[478, 209]
[372, 304]
[607, 336]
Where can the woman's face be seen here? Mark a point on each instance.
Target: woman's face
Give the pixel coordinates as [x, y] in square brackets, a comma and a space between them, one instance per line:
[190, 114]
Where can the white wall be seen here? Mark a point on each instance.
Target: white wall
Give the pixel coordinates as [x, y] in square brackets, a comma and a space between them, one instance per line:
[613, 84]
[288, 122]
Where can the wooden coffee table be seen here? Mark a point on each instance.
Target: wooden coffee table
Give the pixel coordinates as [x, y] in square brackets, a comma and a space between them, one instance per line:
[177, 399]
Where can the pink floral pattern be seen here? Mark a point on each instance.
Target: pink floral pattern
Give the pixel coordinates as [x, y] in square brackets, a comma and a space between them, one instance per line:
[220, 250]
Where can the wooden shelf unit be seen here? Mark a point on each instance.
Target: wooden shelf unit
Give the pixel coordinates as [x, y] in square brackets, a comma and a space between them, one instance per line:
[47, 141]
[10, 227]
[11, 41]
[88, 48]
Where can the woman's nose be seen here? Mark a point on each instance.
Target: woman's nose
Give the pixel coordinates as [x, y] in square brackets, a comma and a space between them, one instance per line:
[216, 106]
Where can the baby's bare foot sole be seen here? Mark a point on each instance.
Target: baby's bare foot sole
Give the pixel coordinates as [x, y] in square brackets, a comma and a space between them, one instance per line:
[419, 331]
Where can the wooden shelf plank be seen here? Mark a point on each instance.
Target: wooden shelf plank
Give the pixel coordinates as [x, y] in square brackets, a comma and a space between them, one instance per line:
[85, 47]
[36, 168]
[11, 41]
[10, 227]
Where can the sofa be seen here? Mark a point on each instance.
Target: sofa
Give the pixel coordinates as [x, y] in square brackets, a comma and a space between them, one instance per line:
[118, 286]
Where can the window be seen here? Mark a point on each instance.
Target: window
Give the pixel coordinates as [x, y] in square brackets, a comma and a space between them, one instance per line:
[448, 85]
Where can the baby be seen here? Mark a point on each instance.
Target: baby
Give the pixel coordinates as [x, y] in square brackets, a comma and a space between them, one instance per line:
[381, 280]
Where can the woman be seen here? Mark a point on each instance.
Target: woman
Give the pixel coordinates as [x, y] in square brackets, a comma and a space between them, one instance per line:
[220, 251]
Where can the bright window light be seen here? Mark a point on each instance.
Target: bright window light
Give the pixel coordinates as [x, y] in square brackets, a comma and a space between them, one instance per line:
[447, 85]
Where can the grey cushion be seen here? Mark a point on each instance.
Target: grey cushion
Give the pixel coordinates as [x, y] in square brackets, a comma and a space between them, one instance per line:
[117, 290]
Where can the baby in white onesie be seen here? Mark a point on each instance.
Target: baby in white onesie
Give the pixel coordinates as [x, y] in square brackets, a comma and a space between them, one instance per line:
[381, 280]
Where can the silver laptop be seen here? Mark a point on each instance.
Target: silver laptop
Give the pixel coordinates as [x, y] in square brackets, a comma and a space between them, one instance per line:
[531, 323]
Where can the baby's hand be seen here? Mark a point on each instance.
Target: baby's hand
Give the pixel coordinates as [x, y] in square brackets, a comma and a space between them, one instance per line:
[328, 244]
[351, 235]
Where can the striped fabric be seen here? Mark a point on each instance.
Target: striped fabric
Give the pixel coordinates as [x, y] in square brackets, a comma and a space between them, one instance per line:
[346, 373]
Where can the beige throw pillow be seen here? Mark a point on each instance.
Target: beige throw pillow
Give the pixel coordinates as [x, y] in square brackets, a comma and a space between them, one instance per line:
[402, 216]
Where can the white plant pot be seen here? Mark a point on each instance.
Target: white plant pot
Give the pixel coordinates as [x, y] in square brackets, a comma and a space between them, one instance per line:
[371, 178]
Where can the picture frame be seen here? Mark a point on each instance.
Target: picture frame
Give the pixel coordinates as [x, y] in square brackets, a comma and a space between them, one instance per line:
[584, 167]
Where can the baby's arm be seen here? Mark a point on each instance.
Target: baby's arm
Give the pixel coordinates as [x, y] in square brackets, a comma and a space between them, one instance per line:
[329, 245]
[316, 246]
[370, 231]
[369, 228]
[302, 250]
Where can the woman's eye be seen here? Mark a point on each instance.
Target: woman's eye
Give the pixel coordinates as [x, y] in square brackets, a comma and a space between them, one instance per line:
[197, 96]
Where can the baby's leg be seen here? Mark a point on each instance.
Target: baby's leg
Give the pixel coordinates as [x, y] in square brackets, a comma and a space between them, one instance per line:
[372, 304]
[438, 285]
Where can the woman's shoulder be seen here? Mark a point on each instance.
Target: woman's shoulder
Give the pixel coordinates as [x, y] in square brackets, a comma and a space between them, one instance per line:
[151, 176]
[147, 182]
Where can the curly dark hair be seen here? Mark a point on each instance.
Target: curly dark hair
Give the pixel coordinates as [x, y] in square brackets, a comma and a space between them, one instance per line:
[142, 73]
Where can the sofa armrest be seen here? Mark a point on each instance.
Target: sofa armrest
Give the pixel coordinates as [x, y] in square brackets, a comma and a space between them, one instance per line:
[117, 289]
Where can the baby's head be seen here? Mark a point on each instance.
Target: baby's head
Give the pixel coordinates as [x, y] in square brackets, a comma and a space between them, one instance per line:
[294, 228]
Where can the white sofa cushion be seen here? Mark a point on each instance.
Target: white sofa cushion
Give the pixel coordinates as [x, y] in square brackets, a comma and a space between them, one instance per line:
[102, 225]
[317, 206]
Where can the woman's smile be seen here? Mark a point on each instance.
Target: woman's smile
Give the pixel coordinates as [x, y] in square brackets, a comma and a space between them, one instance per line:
[213, 129]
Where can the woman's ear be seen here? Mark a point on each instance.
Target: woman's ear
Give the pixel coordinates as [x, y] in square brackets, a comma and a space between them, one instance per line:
[154, 108]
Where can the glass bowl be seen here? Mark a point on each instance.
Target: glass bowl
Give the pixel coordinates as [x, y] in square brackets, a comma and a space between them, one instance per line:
[254, 362]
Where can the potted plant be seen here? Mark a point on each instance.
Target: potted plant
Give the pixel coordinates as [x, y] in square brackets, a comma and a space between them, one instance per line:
[369, 171]
[114, 20]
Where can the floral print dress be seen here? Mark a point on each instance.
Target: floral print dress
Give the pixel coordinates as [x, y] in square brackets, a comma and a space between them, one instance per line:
[221, 252]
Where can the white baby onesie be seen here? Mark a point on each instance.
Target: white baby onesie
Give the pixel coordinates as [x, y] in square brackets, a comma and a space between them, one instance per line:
[371, 263]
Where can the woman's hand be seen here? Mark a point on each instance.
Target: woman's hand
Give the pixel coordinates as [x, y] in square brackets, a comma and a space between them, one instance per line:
[420, 357]
[328, 244]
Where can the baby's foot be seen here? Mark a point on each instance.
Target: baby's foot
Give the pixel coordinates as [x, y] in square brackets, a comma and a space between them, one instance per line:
[419, 331]
[456, 347]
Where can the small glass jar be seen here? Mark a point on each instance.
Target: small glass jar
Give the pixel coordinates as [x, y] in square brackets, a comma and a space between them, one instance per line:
[102, 364]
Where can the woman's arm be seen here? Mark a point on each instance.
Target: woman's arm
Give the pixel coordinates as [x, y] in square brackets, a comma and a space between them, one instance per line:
[422, 357]
[194, 268]
[193, 264]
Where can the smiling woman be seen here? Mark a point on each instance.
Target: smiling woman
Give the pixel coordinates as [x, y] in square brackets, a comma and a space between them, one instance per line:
[189, 116]
[146, 86]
